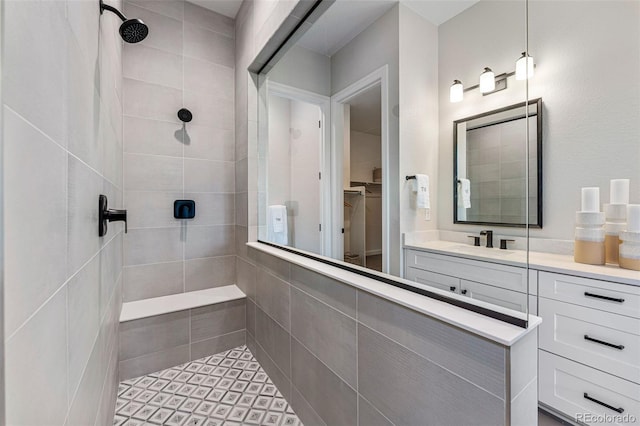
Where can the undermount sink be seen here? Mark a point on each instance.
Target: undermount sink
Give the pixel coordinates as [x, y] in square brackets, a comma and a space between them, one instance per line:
[480, 251]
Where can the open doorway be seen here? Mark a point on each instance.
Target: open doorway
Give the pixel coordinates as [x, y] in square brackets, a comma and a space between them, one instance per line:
[362, 170]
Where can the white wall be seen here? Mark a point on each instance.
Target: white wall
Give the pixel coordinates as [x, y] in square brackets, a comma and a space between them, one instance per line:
[365, 154]
[498, 30]
[293, 166]
[304, 69]
[418, 116]
[62, 135]
[586, 77]
[373, 48]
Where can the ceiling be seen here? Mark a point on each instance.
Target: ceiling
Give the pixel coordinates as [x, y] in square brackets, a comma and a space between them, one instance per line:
[224, 7]
[345, 19]
[365, 112]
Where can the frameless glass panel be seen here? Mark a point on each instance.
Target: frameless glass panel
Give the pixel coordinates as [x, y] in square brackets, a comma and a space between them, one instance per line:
[357, 162]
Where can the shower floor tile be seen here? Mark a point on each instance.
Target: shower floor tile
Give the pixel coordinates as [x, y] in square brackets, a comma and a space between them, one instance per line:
[229, 388]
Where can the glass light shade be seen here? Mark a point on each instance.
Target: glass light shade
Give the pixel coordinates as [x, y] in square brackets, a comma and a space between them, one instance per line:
[524, 67]
[456, 92]
[487, 81]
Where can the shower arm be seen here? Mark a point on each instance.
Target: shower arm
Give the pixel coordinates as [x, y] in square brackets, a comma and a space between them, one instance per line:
[104, 7]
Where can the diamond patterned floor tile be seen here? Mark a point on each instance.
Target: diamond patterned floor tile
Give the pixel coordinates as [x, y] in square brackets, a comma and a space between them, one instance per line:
[225, 389]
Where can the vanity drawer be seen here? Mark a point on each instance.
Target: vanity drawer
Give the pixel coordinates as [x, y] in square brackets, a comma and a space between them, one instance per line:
[432, 279]
[603, 295]
[566, 386]
[599, 339]
[495, 295]
[509, 277]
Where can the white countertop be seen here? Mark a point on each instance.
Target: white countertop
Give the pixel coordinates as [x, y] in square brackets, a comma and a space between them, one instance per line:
[490, 328]
[539, 261]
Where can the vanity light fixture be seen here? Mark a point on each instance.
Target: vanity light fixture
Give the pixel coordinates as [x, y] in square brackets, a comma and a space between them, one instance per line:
[524, 67]
[456, 92]
[487, 80]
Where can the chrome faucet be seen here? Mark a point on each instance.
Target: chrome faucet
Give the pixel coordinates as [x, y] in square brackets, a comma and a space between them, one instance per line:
[489, 235]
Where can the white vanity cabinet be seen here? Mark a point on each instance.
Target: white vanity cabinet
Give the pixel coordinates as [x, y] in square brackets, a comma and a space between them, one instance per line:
[502, 285]
[589, 348]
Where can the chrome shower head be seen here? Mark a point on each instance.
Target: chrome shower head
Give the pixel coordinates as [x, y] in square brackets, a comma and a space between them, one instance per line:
[131, 30]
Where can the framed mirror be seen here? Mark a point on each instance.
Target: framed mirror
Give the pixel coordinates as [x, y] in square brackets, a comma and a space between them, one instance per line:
[491, 163]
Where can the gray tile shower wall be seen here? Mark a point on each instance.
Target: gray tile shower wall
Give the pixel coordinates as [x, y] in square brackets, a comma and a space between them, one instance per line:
[62, 113]
[186, 61]
[344, 356]
[163, 341]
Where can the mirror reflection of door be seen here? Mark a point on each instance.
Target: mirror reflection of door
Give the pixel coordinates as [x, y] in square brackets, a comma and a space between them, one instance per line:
[362, 176]
[294, 190]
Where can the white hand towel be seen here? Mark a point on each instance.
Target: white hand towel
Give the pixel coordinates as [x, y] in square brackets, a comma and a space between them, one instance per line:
[465, 193]
[421, 187]
[277, 224]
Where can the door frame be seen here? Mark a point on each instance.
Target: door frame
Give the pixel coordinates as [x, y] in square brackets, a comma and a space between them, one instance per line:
[378, 77]
[324, 103]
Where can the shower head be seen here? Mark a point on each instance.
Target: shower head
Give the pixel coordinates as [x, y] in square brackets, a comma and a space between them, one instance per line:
[131, 30]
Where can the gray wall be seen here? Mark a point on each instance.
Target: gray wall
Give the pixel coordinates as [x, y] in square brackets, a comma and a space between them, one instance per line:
[163, 341]
[187, 60]
[345, 357]
[62, 113]
[373, 48]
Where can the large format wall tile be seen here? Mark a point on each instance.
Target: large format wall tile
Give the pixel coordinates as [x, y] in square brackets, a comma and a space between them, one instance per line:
[209, 176]
[152, 245]
[36, 368]
[209, 241]
[212, 321]
[153, 173]
[274, 340]
[36, 95]
[272, 295]
[217, 344]
[209, 46]
[332, 399]
[334, 293]
[152, 101]
[210, 272]
[409, 389]
[210, 20]
[369, 416]
[147, 136]
[153, 280]
[35, 243]
[83, 239]
[330, 335]
[83, 295]
[153, 66]
[148, 335]
[168, 31]
[477, 360]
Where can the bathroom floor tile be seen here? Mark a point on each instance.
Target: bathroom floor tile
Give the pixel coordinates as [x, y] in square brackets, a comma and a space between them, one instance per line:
[228, 388]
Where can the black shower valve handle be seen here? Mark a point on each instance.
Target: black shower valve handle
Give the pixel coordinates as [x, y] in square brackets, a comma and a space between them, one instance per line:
[106, 215]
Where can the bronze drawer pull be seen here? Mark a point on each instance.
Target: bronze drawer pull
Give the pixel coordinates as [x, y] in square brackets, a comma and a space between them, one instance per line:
[597, 296]
[604, 404]
[602, 342]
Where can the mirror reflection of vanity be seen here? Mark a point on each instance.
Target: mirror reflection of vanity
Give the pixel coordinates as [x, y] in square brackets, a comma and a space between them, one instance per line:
[590, 135]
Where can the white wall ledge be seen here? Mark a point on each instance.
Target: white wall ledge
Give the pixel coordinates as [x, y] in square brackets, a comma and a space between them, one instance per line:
[498, 331]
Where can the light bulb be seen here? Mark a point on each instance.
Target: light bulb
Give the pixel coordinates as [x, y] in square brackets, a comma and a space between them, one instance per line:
[487, 81]
[456, 92]
[524, 67]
